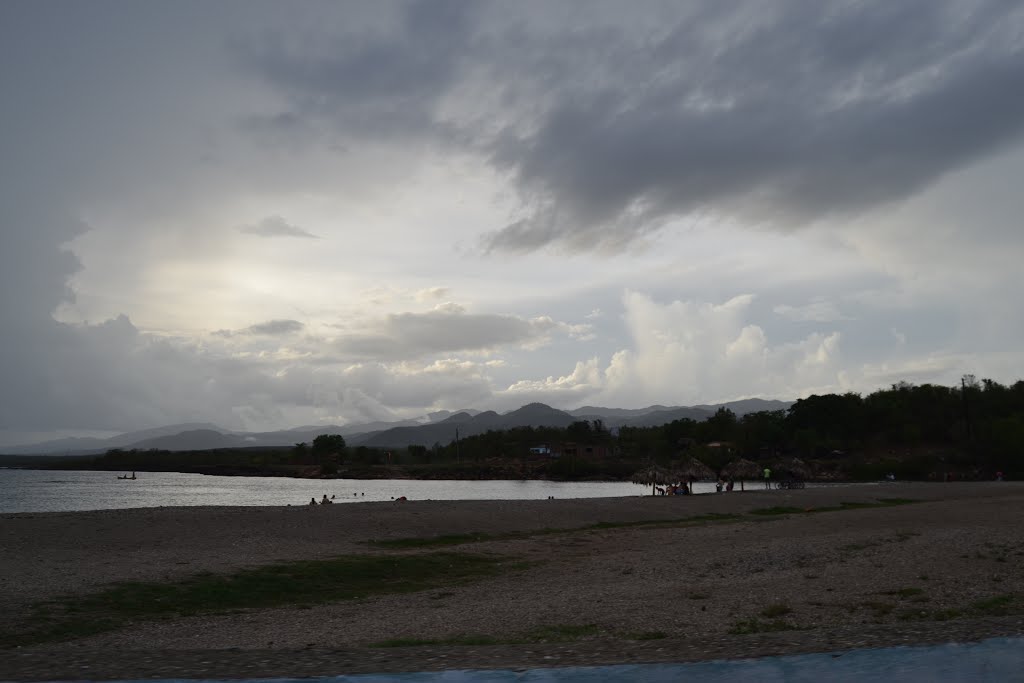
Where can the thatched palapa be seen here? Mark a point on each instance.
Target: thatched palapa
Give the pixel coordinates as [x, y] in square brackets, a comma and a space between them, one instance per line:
[653, 476]
[743, 469]
[794, 467]
[691, 469]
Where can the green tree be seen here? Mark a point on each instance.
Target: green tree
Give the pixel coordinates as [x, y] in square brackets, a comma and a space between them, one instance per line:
[329, 448]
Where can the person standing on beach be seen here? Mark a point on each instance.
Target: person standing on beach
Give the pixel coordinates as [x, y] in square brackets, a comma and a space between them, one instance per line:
[767, 477]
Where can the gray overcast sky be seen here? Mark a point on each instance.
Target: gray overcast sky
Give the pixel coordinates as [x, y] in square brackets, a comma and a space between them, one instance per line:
[271, 214]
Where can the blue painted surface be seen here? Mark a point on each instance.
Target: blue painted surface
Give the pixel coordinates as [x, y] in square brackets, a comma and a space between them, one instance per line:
[997, 660]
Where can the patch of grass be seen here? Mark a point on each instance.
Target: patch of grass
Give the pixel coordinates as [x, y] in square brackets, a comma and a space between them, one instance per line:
[649, 635]
[999, 605]
[293, 583]
[848, 505]
[449, 540]
[480, 537]
[926, 615]
[682, 521]
[777, 610]
[751, 626]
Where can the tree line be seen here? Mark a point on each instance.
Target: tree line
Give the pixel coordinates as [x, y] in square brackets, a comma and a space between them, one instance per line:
[913, 431]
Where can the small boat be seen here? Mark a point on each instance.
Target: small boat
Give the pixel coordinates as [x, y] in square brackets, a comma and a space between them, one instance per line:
[127, 477]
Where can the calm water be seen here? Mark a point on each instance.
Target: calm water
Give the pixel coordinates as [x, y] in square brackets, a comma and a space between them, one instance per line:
[52, 491]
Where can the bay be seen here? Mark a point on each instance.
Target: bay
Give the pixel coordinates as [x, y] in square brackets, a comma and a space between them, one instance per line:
[66, 491]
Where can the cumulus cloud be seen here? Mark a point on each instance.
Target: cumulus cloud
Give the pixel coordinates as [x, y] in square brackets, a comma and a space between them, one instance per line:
[585, 380]
[275, 226]
[691, 352]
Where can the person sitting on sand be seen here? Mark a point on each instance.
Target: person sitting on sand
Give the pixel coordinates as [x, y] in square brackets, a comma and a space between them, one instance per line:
[312, 501]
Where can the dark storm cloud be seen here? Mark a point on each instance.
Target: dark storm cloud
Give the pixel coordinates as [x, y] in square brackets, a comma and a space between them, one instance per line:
[275, 226]
[776, 113]
[369, 81]
[814, 112]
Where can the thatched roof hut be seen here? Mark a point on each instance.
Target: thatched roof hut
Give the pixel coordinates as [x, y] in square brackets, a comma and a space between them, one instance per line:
[794, 467]
[653, 476]
[743, 469]
[691, 468]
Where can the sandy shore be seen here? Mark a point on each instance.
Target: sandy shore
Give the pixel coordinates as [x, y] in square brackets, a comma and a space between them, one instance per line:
[947, 567]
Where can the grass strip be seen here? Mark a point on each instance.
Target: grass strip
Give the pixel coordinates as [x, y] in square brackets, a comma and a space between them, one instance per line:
[789, 510]
[480, 537]
[446, 540]
[302, 583]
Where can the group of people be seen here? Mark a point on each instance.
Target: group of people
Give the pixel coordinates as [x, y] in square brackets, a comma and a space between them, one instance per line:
[724, 484]
[327, 501]
[324, 501]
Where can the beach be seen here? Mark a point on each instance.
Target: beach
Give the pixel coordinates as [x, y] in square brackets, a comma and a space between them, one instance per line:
[581, 582]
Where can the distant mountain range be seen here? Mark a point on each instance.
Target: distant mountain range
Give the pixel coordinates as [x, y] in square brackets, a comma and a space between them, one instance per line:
[438, 427]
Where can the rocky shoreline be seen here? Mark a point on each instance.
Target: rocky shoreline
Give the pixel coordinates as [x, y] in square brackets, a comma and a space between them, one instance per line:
[777, 572]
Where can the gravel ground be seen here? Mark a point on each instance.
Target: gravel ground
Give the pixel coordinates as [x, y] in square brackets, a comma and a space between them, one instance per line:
[920, 573]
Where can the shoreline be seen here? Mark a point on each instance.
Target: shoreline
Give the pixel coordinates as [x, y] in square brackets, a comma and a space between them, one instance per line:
[836, 568]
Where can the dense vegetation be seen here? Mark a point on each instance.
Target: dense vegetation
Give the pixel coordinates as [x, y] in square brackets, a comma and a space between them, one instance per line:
[912, 431]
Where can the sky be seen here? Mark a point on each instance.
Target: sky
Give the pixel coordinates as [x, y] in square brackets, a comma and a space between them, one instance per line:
[272, 214]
